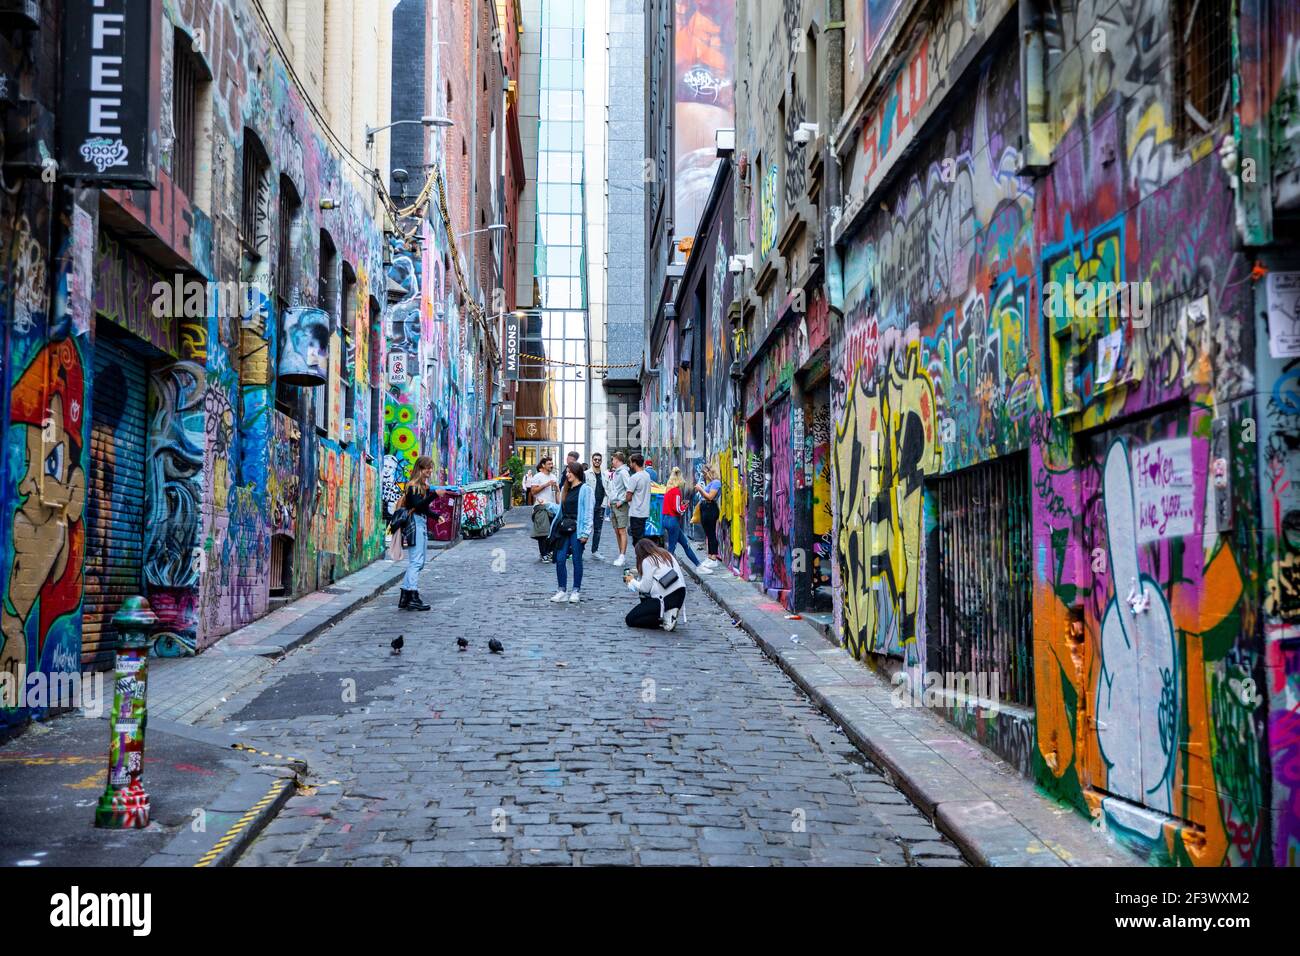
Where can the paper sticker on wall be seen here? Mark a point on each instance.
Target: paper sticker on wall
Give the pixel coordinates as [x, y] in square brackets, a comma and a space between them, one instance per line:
[1163, 490]
[1108, 351]
[1283, 314]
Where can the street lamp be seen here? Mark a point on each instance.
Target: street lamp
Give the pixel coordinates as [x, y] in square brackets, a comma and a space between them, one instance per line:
[495, 227]
[424, 121]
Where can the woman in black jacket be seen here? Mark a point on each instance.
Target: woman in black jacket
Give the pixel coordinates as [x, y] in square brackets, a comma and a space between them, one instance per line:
[416, 500]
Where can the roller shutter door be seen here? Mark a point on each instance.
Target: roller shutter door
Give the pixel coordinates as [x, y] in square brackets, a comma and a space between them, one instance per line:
[116, 497]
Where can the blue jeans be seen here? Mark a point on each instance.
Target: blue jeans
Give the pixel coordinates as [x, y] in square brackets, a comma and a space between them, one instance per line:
[674, 534]
[415, 557]
[569, 546]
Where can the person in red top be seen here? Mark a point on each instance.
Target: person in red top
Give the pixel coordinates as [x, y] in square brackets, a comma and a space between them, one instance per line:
[674, 514]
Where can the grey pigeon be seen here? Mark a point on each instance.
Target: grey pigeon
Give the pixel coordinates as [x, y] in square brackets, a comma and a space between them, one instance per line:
[495, 646]
[397, 643]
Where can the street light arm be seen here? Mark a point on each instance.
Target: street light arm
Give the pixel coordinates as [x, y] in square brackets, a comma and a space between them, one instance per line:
[424, 121]
[495, 227]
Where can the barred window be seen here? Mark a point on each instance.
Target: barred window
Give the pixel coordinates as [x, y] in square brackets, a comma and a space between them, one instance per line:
[185, 85]
[1203, 54]
[254, 228]
[289, 204]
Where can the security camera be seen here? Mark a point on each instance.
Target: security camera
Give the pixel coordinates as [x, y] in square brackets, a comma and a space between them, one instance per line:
[805, 133]
[738, 264]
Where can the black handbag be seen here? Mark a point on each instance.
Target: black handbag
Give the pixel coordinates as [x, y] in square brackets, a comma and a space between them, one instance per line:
[668, 580]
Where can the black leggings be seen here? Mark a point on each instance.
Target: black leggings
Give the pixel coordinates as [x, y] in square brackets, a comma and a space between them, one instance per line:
[646, 613]
[543, 546]
[709, 518]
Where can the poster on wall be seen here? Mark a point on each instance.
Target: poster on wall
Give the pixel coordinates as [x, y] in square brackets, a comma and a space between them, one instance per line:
[1163, 491]
[105, 117]
[704, 44]
[1283, 290]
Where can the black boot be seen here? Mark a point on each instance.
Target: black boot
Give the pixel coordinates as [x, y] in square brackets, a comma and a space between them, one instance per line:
[405, 600]
[415, 604]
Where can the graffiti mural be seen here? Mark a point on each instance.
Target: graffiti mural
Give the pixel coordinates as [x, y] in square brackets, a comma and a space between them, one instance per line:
[778, 539]
[173, 557]
[46, 467]
[884, 447]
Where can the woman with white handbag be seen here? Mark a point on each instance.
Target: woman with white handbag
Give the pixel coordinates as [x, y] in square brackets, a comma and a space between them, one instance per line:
[660, 585]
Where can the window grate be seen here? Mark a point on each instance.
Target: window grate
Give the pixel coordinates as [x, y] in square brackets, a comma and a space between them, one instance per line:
[253, 211]
[1203, 34]
[184, 100]
[984, 578]
[284, 253]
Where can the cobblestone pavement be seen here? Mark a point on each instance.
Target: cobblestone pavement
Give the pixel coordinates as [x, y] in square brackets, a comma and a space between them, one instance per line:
[584, 743]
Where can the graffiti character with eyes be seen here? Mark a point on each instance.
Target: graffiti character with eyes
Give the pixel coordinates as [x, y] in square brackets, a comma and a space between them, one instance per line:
[49, 533]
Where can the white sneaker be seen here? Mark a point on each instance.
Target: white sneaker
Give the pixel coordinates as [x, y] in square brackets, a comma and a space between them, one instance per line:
[709, 562]
[573, 598]
[620, 561]
[595, 555]
[703, 568]
[670, 619]
[560, 597]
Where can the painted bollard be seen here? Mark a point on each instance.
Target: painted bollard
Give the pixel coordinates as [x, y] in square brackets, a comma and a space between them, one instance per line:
[124, 805]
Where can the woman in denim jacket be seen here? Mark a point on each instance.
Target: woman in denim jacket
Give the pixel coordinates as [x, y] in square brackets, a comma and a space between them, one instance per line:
[576, 505]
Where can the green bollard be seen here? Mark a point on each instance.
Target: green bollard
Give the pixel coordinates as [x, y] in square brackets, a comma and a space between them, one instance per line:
[124, 805]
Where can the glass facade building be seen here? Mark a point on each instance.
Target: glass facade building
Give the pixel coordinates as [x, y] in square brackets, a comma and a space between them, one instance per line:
[553, 395]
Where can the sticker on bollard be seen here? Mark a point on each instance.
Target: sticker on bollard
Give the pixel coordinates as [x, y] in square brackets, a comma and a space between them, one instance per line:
[124, 804]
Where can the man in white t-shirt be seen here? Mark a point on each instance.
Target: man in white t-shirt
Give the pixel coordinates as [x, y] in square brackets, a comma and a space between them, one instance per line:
[541, 491]
[544, 483]
[638, 498]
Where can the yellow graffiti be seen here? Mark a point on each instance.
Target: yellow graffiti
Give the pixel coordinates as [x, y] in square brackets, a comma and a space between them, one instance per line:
[883, 449]
[733, 499]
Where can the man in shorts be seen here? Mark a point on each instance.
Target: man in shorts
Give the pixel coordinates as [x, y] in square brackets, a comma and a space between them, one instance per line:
[618, 505]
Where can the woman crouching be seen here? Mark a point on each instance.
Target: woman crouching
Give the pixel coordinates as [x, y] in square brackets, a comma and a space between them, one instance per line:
[661, 585]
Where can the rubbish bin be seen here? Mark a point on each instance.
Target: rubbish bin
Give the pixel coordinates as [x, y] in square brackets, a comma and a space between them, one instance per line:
[444, 519]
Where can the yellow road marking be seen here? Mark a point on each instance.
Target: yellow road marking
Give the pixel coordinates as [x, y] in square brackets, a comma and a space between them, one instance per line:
[276, 789]
[92, 782]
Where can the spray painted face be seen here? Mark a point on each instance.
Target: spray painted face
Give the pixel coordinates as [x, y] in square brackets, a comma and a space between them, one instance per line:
[52, 495]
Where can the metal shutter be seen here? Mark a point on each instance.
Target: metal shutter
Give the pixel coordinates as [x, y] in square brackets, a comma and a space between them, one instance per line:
[116, 497]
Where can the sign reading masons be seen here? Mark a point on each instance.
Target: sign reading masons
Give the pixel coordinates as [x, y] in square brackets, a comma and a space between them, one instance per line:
[105, 113]
[511, 350]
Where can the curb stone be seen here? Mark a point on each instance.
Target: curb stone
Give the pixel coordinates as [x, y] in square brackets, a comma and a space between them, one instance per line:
[989, 811]
[240, 812]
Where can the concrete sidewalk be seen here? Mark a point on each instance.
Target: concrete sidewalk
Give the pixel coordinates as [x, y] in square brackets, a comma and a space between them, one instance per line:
[208, 798]
[980, 802]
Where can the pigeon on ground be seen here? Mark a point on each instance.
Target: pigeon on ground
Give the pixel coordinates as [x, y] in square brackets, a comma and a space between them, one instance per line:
[462, 643]
[495, 646]
[397, 643]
